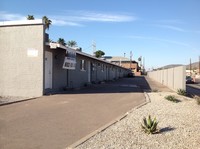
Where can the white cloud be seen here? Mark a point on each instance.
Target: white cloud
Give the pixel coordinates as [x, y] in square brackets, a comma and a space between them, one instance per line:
[73, 18]
[58, 22]
[103, 17]
[160, 39]
[171, 21]
[77, 18]
[175, 28]
[171, 27]
[4, 16]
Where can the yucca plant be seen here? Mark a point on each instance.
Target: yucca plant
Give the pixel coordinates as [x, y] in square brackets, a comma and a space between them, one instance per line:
[149, 125]
[154, 90]
[197, 98]
[181, 92]
[198, 101]
[172, 98]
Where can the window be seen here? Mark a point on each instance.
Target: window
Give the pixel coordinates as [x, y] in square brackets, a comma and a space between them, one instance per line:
[93, 66]
[82, 65]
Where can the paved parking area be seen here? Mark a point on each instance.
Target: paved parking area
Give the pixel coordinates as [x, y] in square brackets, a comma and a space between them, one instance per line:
[193, 89]
[56, 121]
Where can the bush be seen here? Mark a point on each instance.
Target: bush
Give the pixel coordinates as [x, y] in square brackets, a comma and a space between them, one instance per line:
[172, 98]
[154, 90]
[181, 92]
[149, 126]
[197, 99]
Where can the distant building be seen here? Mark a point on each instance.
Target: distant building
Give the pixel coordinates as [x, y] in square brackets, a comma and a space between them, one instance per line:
[124, 62]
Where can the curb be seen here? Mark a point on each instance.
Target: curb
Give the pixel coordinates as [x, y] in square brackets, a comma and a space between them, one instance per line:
[87, 137]
[12, 102]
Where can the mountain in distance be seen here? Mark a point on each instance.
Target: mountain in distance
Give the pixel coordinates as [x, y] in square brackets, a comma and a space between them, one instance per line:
[193, 65]
[169, 66]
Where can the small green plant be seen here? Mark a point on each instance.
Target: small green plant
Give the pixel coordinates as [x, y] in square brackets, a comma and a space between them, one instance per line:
[154, 90]
[197, 98]
[149, 126]
[172, 98]
[181, 92]
[198, 101]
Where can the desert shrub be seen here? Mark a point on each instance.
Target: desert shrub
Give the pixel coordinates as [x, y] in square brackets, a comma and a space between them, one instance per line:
[149, 125]
[198, 101]
[154, 90]
[197, 98]
[181, 92]
[172, 98]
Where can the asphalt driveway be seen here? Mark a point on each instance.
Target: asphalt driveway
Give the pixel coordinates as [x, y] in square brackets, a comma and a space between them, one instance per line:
[56, 121]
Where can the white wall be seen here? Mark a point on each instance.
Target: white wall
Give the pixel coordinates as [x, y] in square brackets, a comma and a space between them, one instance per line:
[21, 74]
[174, 78]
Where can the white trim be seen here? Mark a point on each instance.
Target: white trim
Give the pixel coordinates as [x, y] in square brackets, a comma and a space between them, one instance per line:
[54, 45]
[21, 22]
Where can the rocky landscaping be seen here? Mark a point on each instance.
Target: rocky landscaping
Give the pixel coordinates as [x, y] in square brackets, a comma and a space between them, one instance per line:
[178, 124]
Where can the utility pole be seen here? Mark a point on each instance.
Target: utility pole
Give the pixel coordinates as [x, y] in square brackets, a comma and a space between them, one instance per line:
[190, 67]
[130, 59]
[143, 65]
[199, 65]
[94, 47]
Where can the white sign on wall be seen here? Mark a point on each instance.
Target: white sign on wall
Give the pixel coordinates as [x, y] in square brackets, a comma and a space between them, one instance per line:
[70, 59]
[32, 52]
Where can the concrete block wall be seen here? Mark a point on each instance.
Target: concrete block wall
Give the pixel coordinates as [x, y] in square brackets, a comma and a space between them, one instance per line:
[21, 59]
[174, 78]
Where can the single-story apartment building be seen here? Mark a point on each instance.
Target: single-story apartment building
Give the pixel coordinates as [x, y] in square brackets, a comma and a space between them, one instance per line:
[125, 62]
[31, 66]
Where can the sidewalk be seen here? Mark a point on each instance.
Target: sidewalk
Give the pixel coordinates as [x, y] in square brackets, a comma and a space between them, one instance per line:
[156, 86]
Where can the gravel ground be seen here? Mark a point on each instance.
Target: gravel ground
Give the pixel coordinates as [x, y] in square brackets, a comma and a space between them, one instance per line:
[179, 125]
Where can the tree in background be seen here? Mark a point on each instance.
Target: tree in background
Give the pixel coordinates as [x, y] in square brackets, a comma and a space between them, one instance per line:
[61, 41]
[140, 58]
[72, 43]
[44, 18]
[99, 53]
[30, 17]
[47, 22]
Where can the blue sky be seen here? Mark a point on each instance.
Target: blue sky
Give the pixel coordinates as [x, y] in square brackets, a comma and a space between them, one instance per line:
[164, 32]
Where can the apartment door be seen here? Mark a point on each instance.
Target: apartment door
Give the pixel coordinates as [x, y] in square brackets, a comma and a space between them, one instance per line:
[48, 70]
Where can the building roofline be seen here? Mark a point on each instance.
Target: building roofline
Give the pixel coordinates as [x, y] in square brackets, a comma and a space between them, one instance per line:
[21, 22]
[57, 45]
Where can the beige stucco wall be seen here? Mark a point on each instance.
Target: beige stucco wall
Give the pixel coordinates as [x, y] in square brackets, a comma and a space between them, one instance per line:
[174, 78]
[20, 74]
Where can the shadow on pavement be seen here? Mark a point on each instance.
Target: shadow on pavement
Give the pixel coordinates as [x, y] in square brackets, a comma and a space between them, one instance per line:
[192, 90]
[124, 85]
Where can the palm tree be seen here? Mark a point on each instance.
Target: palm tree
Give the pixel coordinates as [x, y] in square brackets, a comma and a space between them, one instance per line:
[47, 22]
[61, 41]
[30, 17]
[72, 43]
